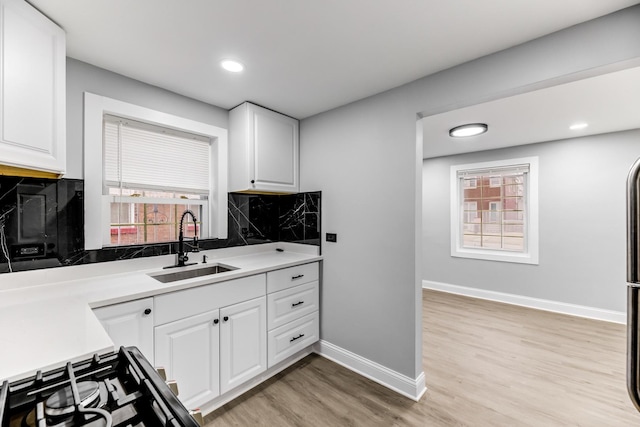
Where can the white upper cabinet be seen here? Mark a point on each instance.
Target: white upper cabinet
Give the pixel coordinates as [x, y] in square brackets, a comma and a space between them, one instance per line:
[32, 89]
[263, 150]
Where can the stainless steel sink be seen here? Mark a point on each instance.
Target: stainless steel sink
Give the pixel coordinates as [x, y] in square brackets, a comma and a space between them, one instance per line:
[192, 272]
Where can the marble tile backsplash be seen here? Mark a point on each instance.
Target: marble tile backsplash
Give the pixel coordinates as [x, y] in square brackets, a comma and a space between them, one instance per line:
[261, 218]
[42, 224]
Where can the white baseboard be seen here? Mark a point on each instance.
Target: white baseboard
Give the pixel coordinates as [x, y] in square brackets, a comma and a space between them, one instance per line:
[540, 304]
[412, 388]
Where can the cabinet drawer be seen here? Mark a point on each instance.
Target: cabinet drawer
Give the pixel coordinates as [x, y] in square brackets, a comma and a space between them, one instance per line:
[291, 304]
[292, 337]
[178, 305]
[292, 276]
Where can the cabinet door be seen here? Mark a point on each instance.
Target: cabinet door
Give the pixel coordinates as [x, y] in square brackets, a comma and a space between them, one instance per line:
[243, 342]
[275, 150]
[188, 349]
[32, 89]
[130, 323]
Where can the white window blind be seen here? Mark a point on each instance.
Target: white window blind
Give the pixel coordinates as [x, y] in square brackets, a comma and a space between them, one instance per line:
[516, 170]
[139, 155]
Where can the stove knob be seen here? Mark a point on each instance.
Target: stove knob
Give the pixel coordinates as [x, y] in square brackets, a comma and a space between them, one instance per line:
[197, 415]
[162, 372]
[173, 386]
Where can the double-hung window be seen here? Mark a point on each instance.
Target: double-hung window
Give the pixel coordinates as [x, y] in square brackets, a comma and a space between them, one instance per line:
[144, 169]
[494, 212]
[153, 174]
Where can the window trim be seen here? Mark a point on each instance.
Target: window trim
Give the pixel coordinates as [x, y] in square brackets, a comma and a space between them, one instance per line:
[530, 256]
[96, 206]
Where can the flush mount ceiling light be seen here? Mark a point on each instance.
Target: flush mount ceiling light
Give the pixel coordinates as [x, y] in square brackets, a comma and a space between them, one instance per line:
[470, 129]
[231, 65]
[578, 126]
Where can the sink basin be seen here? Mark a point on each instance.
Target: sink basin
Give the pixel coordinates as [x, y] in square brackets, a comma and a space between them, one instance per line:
[191, 273]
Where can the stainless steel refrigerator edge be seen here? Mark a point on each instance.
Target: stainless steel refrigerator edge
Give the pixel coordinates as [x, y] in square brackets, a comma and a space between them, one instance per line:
[633, 282]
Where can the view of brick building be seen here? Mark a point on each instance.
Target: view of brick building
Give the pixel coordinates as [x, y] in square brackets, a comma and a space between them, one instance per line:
[494, 212]
[141, 223]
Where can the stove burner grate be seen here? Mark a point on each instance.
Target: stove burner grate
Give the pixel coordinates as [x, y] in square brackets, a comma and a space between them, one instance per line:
[114, 390]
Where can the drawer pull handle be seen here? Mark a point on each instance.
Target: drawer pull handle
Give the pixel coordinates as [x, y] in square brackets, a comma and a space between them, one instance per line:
[296, 338]
[297, 277]
[295, 304]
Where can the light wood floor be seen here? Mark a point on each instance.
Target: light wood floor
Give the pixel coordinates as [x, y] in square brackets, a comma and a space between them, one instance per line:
[486, 364]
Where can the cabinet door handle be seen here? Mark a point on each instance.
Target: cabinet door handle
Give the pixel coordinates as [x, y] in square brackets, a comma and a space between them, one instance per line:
[296, 338]
[147, 311]
[215, 321]
[225, 318]
[295, 304]
[297, 277]
[253, 181]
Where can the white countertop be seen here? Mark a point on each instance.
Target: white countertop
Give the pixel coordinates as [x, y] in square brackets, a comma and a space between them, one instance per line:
[46, 318]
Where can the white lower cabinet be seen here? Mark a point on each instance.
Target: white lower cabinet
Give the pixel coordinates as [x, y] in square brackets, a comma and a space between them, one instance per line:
[219, 337]
[212, 338]
[293, 301]
[129, 324]
[188, 349]
[243, 342]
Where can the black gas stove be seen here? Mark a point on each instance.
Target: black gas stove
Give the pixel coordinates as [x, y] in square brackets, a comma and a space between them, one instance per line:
[116, 389]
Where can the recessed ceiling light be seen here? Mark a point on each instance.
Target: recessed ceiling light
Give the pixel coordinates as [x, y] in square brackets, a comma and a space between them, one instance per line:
[233, 66]
[578, 126]
[470, 129]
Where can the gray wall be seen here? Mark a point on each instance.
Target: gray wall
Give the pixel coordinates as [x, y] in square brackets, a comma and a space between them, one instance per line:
[83, 77]
[582, 223]
[363, 158]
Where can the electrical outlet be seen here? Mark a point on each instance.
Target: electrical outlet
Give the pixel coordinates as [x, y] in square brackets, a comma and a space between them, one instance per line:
[332, 237]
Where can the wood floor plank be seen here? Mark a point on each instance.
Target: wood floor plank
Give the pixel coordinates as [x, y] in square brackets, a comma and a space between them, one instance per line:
[486, 364]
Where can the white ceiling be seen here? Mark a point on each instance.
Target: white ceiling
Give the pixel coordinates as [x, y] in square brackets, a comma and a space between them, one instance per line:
[608, 103]
[301, 57]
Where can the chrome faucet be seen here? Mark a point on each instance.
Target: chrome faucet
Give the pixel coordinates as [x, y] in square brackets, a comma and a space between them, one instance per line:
[181, 256]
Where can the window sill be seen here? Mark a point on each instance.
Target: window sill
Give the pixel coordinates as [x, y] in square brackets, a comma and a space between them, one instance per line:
[488, 255]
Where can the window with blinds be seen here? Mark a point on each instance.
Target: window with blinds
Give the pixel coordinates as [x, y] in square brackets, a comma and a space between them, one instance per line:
[152, 175]
[494, 210]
